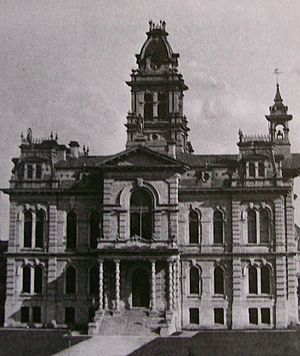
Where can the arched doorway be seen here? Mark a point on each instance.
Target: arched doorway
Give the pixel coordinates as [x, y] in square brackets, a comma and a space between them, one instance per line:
[140, 288]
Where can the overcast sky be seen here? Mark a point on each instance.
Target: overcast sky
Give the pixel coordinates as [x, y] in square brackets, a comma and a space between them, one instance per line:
[63, 67]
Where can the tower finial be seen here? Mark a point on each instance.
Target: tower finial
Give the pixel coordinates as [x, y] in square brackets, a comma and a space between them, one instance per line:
[277, 73]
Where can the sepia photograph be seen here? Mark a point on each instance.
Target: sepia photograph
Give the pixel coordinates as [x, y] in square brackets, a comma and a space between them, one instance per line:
[150, 164]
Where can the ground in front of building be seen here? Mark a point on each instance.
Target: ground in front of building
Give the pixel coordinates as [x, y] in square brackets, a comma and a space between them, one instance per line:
[204, 343]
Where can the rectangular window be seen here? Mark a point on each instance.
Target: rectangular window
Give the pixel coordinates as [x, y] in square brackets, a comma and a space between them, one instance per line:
[69, 315]
[253, 316]
[24, 315]
[219, 316]
[194, 316]
[265, 316]
[36, 314]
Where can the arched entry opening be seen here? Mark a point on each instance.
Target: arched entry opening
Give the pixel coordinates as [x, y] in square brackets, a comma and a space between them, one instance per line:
[140, 288]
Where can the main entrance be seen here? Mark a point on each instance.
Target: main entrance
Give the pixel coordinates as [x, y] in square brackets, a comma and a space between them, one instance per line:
[140, 288]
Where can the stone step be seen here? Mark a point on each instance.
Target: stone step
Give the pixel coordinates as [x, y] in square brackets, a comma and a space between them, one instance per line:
[133, 322]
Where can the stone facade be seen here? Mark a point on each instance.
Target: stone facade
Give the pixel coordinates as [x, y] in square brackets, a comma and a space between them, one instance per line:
[200, 241]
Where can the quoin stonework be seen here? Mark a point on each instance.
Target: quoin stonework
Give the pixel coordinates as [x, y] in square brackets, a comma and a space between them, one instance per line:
[156, 237]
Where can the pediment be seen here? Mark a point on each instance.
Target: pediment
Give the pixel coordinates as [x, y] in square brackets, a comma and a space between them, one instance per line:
[141, 157]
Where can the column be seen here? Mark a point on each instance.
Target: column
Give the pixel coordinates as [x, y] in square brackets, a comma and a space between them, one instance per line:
[153, 286]
[170, 264]
[117, 263]
[100, 284]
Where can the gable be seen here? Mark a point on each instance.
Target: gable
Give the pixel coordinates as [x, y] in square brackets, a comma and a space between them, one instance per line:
[142, 157]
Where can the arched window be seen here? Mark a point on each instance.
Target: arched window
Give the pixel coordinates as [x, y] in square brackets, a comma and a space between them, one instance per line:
[141, 210]
[71, 229]
[265, 278]
[218, 227]
[163, 105]
[38, 172]
[251, 169]
[264, 225]
[251, 220]
[27, 229]
[70, 280]
[38, 279]
[219, 280]
[148, 106]
[94, 280]
[194, 280]
[94, 229]
[252, 274]
[26, 281]
[261, 169]
[29, 171]
[194, 227]
[39, 228]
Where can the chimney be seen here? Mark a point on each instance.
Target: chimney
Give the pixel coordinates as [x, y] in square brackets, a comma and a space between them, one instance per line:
[172, 149]
[74, 148]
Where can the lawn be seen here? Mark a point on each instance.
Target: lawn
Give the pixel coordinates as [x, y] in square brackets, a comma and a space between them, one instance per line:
[231, 343]
[15, 342]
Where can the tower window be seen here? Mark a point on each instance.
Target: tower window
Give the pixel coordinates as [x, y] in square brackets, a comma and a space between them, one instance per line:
[71, 229]
[163, 105]
[218, 227]
[194, 227]
[148, 106]
[141, 211]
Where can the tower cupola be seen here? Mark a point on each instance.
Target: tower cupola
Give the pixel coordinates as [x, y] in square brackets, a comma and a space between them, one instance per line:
[279, 124]
[156, 118]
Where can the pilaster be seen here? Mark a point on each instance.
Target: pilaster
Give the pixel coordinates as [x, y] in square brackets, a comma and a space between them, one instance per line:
[52, 223]
[279, 225]
[281, 312]
[238, 314]
[236, 225]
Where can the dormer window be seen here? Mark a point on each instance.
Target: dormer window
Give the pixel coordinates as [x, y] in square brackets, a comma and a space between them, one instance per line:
[29, 171]
[261, 169]
[252, 169]
[38, 172]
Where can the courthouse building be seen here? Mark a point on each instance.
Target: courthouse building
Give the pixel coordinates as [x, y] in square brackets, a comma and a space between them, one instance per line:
[155, 237]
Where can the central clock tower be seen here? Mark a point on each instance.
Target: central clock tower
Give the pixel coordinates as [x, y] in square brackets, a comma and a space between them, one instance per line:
[156, 117]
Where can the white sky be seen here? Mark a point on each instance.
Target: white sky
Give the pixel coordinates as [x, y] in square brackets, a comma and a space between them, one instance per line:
[63, 65]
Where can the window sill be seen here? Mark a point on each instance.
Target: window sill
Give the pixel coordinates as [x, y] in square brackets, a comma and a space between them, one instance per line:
[257, 296]
[191, 296]
[219, 296]
[26, 294]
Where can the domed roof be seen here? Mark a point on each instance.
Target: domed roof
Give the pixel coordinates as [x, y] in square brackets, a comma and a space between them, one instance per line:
[157, 47]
